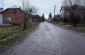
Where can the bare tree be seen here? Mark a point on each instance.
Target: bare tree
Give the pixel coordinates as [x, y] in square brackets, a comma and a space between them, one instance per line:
[66, 2]
[29, 10]
[26, 8]
[78, 2]
[34, 10]
[26, 5]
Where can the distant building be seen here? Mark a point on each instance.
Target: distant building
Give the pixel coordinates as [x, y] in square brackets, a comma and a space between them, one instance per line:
[76, 11]
[36, 18]
[57, 17]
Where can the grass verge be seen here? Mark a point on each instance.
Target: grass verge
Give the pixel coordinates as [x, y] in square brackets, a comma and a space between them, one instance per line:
[79, 27]
[11, 34]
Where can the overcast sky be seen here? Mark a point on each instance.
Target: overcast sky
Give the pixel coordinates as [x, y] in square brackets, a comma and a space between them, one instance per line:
[44, 6]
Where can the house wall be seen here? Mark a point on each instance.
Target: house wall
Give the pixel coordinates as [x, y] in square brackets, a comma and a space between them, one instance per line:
[16, 18]
[62, 14]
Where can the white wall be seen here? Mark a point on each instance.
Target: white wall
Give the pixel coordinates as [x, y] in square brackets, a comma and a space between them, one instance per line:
[1, 19]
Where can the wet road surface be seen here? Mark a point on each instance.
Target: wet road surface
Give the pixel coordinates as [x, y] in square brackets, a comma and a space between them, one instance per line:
[48, 39]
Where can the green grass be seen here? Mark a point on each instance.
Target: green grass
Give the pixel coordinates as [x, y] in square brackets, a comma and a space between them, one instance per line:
[59, 23]
[11, 34]
[79, 27]
[8, 31]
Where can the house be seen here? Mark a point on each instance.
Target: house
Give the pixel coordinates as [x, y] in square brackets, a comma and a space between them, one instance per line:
[36, 18]
[57, 18]
[76, 11]
[14, 16]
[1, 22]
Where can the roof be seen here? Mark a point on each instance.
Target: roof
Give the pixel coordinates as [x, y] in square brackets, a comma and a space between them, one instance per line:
[11, 9]
[14, 10]
[15, 7]
[35, 16]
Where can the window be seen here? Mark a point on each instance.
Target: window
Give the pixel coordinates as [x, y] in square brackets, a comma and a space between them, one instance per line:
[8, 18]
[67, 13]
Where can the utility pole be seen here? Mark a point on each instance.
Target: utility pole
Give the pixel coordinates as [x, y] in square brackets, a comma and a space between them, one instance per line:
[54, 12]
[54, 9]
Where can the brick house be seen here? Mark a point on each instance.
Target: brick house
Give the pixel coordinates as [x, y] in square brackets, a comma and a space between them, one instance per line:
[14, 16]
[75, 10]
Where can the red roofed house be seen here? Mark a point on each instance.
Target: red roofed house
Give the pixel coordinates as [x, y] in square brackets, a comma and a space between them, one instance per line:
[14, 16]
